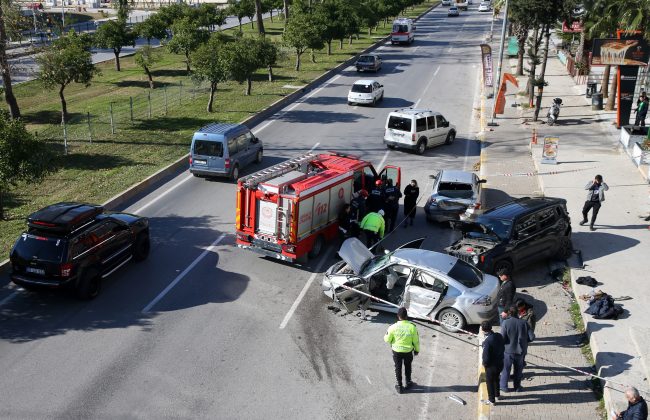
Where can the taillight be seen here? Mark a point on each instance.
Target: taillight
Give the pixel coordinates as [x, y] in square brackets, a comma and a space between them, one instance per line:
[66, 270]
[227, 163]
[413, 137]
[190, 160]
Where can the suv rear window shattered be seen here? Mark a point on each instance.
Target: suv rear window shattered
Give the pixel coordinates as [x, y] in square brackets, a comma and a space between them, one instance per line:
[399, 123]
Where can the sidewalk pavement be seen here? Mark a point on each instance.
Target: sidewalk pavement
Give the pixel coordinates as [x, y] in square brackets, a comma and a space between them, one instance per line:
[550, 391]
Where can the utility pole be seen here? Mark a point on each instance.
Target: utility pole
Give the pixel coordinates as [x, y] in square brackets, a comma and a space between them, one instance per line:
[498, 84]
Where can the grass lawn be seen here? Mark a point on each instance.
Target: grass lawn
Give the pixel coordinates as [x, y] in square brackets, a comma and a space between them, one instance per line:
[94, 172]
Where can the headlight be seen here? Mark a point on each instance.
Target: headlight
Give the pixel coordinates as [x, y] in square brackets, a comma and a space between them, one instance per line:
[475, 259]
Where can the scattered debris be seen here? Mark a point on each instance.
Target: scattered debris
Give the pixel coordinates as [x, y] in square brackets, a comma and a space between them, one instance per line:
[457, 399]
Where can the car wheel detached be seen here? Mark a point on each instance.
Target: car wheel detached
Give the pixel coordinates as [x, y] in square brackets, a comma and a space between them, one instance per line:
[451, 319]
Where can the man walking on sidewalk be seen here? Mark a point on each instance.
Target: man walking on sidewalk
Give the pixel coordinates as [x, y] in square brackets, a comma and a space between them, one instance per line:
[492, 360]
[405, 342]
[595, 196]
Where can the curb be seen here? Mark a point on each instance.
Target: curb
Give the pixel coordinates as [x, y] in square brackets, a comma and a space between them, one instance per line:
[250, 122]
[483, 409]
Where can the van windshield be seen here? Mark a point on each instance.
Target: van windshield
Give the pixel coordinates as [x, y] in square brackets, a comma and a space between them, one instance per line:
[400, 123]
[361, 88]
[208, 148]
[400, 28]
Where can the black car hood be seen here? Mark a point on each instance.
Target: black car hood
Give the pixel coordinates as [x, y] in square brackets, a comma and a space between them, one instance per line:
[468, 227]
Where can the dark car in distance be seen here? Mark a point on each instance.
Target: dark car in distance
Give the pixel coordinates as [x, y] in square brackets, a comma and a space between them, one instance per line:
[515, 234]
[368, 62]
[76, 245]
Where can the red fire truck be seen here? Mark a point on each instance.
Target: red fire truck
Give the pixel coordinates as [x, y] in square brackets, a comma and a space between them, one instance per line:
[289, 211]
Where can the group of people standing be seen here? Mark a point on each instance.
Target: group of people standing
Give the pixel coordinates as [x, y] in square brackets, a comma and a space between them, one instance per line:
[504, 353]
[371, 213]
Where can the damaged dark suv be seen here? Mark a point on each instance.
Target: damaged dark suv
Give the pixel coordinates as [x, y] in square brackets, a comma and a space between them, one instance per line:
[515, 234]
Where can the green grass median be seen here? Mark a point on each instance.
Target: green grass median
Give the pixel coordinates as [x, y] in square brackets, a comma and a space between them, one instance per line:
[104, 157]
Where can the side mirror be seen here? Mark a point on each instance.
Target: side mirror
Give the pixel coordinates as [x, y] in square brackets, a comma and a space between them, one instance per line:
[446, 124]
[432, 176]
[255, 140]
[482, 181]
[381, 85]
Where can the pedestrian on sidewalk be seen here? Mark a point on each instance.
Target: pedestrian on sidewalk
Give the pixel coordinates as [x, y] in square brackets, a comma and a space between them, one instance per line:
[404, 342]
[525, 312]
[641, 110]
[595, 197]
[411, 193]
[515, 339]
[493, 349]
[637, 408]
[506, 294]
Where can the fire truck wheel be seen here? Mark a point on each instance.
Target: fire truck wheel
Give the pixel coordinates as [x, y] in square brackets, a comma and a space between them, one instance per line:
[234, 175]
[317, 247]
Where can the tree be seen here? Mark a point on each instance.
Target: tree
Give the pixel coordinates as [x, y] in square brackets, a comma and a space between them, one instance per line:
[172, 13]
[369, 14]
[67, 60]
[209, 65]
[7, 14]
[349, 20]
[188, 36]
[210, 15]
[146, 57]
[153, 27]
[259, 10]
[327, 14]
[22, 157]
[242, 58]
[285, 9]
[123, 7]
[302, 33]
[242, 9]
[115, 34]
[268, 54]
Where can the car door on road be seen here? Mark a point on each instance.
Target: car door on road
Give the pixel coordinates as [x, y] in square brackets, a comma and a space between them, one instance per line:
[423, 293]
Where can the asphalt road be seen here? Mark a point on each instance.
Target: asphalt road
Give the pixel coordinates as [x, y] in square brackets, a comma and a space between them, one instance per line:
[203, 329]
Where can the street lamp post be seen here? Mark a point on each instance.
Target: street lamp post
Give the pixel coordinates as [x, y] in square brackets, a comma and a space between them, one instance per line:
[498, 84]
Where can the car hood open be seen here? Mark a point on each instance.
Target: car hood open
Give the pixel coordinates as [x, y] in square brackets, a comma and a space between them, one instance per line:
[467, 227]
[355, 254]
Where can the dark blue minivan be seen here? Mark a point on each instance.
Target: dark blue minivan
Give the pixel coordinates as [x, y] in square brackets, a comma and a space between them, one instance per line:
[223, 150]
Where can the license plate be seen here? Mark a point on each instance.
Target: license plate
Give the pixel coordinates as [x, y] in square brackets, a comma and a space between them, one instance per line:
[200, 162]
[35, 270]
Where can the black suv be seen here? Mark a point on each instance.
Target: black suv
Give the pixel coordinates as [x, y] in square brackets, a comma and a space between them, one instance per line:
[77, 245]
[515, 234]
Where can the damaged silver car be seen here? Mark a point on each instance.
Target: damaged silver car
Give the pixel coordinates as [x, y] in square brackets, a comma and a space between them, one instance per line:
[430, 285]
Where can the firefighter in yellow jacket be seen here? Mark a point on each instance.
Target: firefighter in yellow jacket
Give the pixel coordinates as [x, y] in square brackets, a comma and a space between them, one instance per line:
[404, 341]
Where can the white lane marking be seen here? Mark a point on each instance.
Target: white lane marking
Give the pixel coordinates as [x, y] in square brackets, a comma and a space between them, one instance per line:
[329, 82]
[436, 72]
[142, 208]
[314, 147]
[415, 105]
[178, 278]
[303, 292]
[10, 297]
[381, 164]
[450, 48]
[426, 88]
[368, 379]
[257, 130]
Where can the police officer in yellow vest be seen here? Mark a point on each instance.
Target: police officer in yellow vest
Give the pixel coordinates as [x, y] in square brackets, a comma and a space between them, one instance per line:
[404, 341]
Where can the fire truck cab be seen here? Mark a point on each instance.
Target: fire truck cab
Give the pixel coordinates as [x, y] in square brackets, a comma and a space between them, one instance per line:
[289, 211]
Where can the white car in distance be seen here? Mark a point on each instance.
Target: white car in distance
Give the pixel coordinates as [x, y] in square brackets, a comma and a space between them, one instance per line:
[484, 7]
[366, 92]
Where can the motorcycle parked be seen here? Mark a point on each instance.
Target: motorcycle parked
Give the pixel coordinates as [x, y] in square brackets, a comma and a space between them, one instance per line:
[554, 111]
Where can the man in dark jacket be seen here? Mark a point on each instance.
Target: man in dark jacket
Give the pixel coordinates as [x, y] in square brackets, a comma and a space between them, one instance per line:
[506, 295]
[515, 338]
[376, 198]
[392, 194]
[637, 408]
[492, 360]
[526, 313]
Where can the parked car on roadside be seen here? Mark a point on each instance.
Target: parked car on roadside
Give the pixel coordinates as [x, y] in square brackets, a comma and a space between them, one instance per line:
[417, 129]
[516, 234]
[76, 245]
[223, 150]
[455, 196]
[368, 62]
[365, 92]
[430, 285]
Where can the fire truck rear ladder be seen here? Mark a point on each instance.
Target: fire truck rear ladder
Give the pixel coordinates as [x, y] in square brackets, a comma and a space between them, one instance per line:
[280, 169]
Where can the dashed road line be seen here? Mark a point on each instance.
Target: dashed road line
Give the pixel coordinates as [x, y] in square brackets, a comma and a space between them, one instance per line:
[159, 197]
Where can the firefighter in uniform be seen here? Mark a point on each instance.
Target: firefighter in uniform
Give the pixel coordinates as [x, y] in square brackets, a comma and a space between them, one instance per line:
[392, 194]
[373, 226]
[405, 342]
[377, 197]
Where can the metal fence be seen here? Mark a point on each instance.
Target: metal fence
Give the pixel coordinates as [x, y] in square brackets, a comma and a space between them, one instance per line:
[122, 114]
